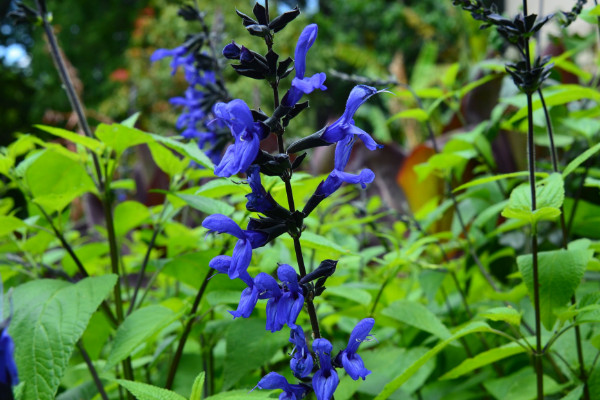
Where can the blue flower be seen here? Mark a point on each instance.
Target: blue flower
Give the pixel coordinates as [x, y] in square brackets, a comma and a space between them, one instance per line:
[275, 381]
[259, 200]
[263, 286]
[178, 55]
[302, 362]
[352, 362]
[247, 302]
[300, 84]
[326, 379]
[237, 264]
[247, 133]
[344, 127]
[292, 300]
[8, 368]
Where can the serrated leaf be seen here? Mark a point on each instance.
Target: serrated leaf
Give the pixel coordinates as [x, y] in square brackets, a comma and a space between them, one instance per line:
[206, 204]
[397, 382]
[550, 194]
[56, 180]
[560, 273]
[197, 387]
[506, 314]
[580, 159]
[168, 162]
[120, 137]
[138, 327]
[483, 359]
[254, 351]
[91, 143]
[49, 318]
[128, 215]
[417, 315]
[143, 391]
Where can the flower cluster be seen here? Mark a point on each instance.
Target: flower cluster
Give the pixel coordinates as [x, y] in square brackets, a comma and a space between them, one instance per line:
[287, 295]
[203, 92]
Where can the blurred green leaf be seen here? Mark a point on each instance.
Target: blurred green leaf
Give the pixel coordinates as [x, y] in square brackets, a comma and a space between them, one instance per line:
[417, 315]
[482, 359]
[506, 314]
[143, 391]
[91, 143]
[198, 387]
[206, 204]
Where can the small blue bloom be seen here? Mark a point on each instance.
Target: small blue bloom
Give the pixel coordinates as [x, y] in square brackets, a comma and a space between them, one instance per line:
[232, 51]
[237, 264]
[269, 289]
[352, 362]
[302, 362]
[300, 84]
[178, 55]
[292, 300]
[259, 200]
[247, 133]
[326, 379]
[344, 127]
[275, 381]
[247, 302]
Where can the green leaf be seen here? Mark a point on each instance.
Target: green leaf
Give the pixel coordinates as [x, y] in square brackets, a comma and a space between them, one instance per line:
[487, 179]
[55, 180]
[506, 314]
[483, 359]
[580, 159]
[189, 149]
[550, 194]
[520, 386]
[392, 386]
[414, 113]
[128, 215]
[206, 204]
[9, 224]
[168, 162]
[138, 327]
[83, 140]
[131, 120]
[197, 387]
[120, 137]
[143, 391]
[252, 352]
[359, 296]
[49, 318]
[574, 394]
[560, 273]
[243, 395]
[417, 315]
[311, 240]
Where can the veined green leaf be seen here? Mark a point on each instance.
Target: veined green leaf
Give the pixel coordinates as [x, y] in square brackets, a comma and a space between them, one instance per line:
[49, 318]
[144, 391]
[120, 137]
[197, 387]
[91, 143]
[168, 162]
[417, 315]
[190, 150]
[559, 273]
[483, 359]
[550, 194]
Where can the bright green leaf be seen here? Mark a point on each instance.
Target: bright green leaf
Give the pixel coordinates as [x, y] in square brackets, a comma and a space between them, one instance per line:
[417, 315]
[128, 215]
[243, 395]
[560, 273]
[138, 327]
[550, 194]
[49, 318]
[483, 359]
[83, 140]
[120, 137]
[506, 314]
[580, 159]
[198, 387]
[414, 113]
[189, 149]
[143, 391]
[9, 224]
[351, 293]
[206, 204]
[519, 386]
[168, 162]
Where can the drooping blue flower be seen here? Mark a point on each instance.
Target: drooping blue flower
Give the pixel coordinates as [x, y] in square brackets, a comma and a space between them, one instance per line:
[247, 133]
[292, 300]
[290, 392]
[247, 302]
[300, 84]
[269, 289]
[326, 379]
[263, 286]
[344, 127]
[237, 264]
[302, 362]
[352, 362]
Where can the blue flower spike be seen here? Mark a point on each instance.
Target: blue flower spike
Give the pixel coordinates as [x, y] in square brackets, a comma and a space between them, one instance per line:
[326, 379]
[275, 381]
[247, 134]
[352, 362]
[300, 84]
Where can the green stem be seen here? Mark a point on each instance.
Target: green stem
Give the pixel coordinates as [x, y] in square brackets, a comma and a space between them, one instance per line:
[92, 369]
[187, 329]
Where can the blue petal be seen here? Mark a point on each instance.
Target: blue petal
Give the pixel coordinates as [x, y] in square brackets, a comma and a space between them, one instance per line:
[289, 308]
[365, 137]
[273, 323]
[359, 334]
[305, 41]
[357, 97]
[354, 365]
[343, 149]
[307, 85]
[365, 176]
[221, 264]
[240, 259]
[232, 51]
[324, 383]
[289, 277]
[247, 303]
[8, 369]
[267, 286]
[223, 224]
[275, 381]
